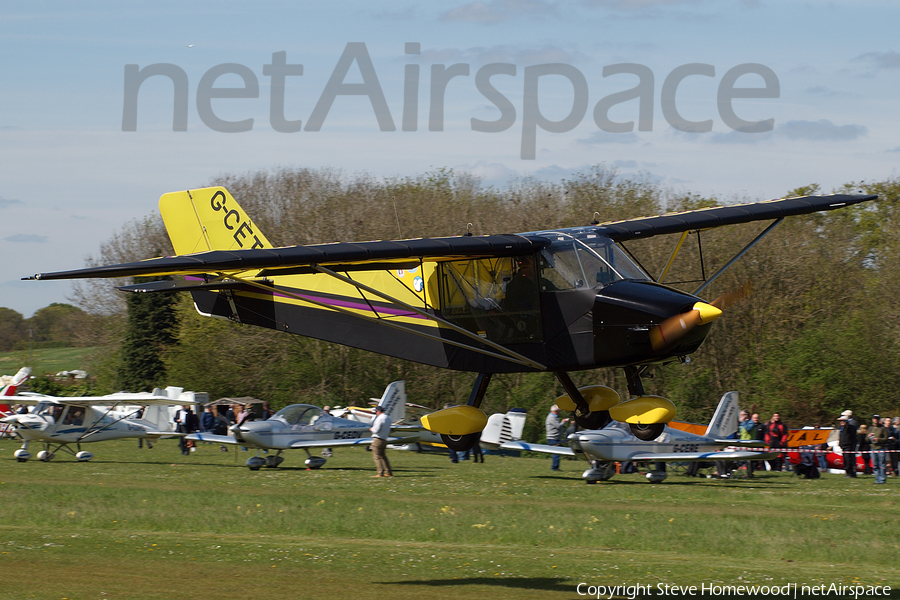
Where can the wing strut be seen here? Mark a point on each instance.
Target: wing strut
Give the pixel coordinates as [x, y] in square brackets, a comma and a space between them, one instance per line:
[752, 243]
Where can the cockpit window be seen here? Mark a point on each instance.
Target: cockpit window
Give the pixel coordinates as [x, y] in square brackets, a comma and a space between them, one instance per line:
[299, 414]
[588, 262]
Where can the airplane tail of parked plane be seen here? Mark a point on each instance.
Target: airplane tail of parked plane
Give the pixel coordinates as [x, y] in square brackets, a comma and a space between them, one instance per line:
[394, 401]
[208, 219]
[502, 428]
[10, 389]
[725, 420]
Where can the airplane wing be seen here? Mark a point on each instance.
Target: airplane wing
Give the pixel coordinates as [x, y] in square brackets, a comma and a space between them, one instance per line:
[695, 456]
[520, 445]
[291, 260]
[116, 400]
[210, 437]
[227, 439]
[357, 442]
[381, 255]
[707, 218]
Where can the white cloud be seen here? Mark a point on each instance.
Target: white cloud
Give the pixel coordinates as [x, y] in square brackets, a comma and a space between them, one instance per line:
[4, 203]
[26, 238]
[498, 11]
[821, 130]
[881, 60]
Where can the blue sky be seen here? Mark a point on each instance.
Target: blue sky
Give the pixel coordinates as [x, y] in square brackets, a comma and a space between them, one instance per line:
[71, 177]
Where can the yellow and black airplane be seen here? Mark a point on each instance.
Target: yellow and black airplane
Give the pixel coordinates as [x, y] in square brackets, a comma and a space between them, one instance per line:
[558, 300]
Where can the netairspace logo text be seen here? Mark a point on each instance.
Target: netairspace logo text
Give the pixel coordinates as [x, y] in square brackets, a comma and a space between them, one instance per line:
[792, 590]
[563, 81]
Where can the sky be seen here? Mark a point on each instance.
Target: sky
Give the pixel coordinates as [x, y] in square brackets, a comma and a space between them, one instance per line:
[106, 106]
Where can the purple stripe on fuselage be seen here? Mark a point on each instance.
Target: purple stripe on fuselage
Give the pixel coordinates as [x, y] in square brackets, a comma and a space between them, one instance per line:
[394, 312]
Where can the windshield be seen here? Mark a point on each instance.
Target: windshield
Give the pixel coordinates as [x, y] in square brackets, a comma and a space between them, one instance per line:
[589, 262]
[304, 416]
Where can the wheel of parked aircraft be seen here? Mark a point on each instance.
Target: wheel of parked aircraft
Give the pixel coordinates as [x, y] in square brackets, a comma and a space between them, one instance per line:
[647, 432]
[594, 420]
[461, 443]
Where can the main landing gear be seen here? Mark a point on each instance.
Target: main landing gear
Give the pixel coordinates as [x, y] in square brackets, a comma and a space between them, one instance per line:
[594, 407]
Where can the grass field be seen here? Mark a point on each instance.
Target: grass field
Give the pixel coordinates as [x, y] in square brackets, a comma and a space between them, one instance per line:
[43, 360]
[153, 524]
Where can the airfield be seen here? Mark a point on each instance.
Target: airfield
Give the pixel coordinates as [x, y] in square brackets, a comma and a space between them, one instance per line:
[153, 524]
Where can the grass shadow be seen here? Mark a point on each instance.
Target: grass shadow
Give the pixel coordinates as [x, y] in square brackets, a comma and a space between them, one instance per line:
[550, 584]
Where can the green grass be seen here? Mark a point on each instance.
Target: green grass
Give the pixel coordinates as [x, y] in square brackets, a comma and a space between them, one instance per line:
[43, 360]
[145, 523]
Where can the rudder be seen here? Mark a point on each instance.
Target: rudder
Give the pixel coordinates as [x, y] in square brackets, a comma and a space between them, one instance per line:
[208, 219]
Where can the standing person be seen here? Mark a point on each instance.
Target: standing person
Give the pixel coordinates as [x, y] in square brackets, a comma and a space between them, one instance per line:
[555, 427]
[268, 412]
[207, 420]
[747, 431]
[877, 439]
[848, 443]
[381, 430]
[893, 444]
[184, 418]
[477, 454]
[862, 448]
[760, 437]
[776, 437]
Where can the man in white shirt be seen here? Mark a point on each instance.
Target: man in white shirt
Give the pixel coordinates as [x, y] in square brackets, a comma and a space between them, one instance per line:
[381, 430]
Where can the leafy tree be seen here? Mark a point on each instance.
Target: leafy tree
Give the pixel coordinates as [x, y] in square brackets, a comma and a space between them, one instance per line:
[150, 330]
[12, 329]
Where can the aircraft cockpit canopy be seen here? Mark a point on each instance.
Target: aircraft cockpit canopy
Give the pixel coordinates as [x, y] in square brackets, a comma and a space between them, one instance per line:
[585, 261]
[303, 415]
[499, 298]
[48, 410]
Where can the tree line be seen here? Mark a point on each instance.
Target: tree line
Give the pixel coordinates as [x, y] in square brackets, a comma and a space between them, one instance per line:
[818, 334]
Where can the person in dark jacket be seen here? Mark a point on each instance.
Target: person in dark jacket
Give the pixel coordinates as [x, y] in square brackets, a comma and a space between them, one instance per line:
[847, 442]
[776, 437]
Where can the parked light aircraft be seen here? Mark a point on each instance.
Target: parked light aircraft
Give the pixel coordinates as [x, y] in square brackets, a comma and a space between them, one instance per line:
[615, 443]
[557, 300]
[500, 427]
[306, 426]
[58, 422]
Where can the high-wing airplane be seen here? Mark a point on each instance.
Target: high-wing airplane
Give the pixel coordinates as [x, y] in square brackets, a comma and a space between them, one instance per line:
[615, 443]
[558, 300]
[305, 426]
[58, 422]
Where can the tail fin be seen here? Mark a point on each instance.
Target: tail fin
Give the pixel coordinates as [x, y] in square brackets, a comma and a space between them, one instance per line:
[208, 219]
[502, 428]
[725, 420]
[16, 381]
[394, 401]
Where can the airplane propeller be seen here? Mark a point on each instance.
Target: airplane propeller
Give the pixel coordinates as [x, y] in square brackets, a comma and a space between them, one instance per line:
[671, 330]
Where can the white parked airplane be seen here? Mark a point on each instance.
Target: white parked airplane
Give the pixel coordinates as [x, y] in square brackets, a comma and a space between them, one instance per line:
[58, 422]
[305, 426]
[615, 443]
